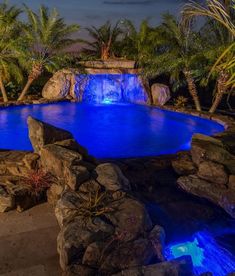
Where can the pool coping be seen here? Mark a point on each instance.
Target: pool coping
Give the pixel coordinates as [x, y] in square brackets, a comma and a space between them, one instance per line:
[32, 102]
[226, 121]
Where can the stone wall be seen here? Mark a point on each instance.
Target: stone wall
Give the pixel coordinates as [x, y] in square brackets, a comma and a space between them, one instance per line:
[110, 64]
[208, 169]
[97, 85]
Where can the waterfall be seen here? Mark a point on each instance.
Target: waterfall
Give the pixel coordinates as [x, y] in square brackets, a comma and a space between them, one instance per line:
[206, 253]
[110, 88]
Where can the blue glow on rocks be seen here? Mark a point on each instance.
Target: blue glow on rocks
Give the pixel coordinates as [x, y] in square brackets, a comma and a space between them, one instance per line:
[207, 255]
[188, 248]
[110, 88]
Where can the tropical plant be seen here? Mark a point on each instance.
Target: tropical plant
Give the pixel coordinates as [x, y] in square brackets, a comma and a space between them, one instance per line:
[9, 31]
[38, 181]
[138, 45]
[93, 204]
[224, 64]
[180, 101]
[179, 54]
[45, 37]
[103, 40]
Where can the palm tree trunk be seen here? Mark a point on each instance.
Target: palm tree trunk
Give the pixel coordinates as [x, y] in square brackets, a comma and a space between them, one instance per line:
[3, 90]
[36, 71]
[25, 90]
[104, 53]
[221, 90]
[192, 89]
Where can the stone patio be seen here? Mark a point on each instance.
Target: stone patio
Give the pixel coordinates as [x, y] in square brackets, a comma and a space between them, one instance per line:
[28, 242]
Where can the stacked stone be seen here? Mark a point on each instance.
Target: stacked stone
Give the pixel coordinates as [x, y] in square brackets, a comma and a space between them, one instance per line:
[14, 167]
[208, 171]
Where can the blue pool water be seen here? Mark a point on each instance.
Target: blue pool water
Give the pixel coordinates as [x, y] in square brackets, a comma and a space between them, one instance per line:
[116, 130]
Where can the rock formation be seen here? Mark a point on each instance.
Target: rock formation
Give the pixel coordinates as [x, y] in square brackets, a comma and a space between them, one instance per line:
[104, 228]
[16, 169]
[208, 171]
[160, 94]
[61, 85]
[97, 85]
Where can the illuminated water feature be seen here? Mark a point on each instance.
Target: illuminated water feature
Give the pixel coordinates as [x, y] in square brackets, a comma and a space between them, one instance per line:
[110, 88]
[108, 130]
[206, 254]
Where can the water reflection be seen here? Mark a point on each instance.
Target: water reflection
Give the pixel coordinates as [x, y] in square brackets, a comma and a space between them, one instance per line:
[116, 130]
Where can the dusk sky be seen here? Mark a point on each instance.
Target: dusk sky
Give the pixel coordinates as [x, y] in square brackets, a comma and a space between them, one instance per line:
[96, 12]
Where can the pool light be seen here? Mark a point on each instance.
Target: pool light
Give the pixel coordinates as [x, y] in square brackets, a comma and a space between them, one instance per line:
[206, 254]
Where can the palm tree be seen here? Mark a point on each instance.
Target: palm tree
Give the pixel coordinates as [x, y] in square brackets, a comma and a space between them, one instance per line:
[138, 44]
[8, 54]
[43, 45]
[103, 40]
[178, 54]
[224, 64]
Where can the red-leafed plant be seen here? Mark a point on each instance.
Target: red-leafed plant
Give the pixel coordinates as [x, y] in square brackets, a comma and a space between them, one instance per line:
[38, 181]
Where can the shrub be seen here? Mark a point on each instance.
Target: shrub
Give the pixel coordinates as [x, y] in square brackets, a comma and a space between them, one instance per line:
[180, 101]
[38, 181]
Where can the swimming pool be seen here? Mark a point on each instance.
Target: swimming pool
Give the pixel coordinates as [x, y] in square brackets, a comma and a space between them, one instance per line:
[108, 130]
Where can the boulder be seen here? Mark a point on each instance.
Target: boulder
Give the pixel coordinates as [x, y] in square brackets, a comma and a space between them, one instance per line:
[93, 254]
[75, 237]
[31, 160]
[42, 134]
[215, 193]
[75, 176]
[213, 172]
[60, 85]
[202, 188]
[66, 207]
[78, 269]
[179, 267]
[109, 234]
[70, 244]
[231, 182]
[208, 148]
[18, 163]
[111, 177]
[136, 253]
[7, 201]
[227, 202]
[160, 94]
[130, 218]
[72, 144]
[17, 191]
[54, 193]
[183, 164]
[56, 159]
[157, 237]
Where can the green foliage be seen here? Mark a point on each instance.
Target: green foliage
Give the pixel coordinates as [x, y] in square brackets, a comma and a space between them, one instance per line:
[221, 51]
[180, 101]
[138, 45]
[178, 49]
[103, 41]
[93, 204]
[9, 33]
[45, 37]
